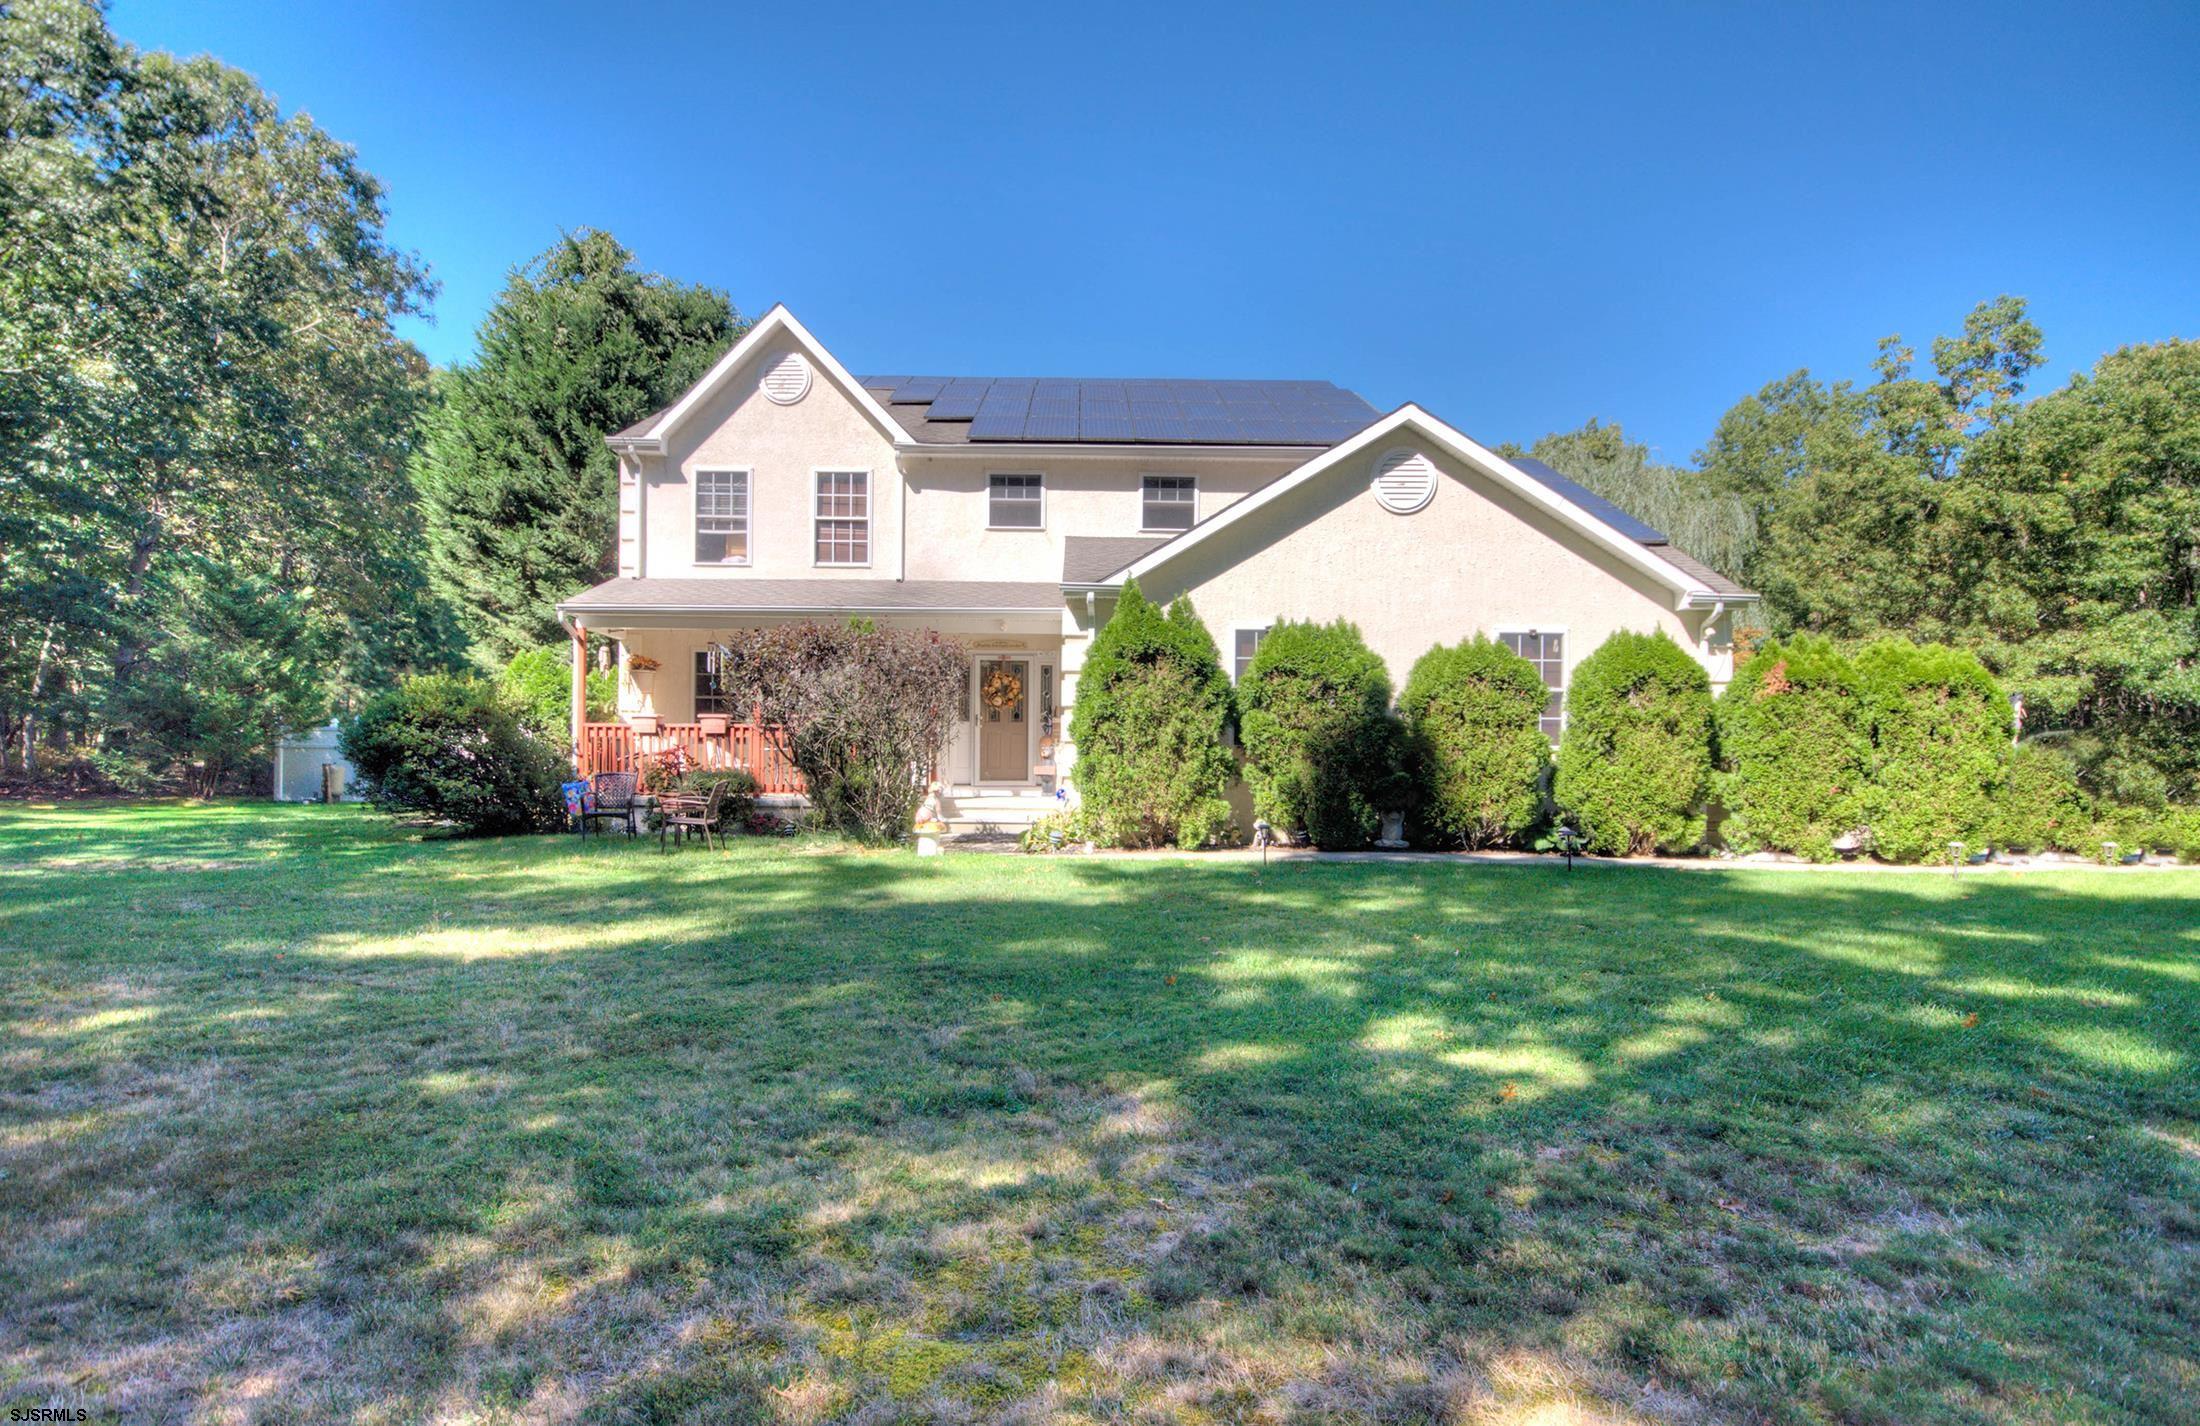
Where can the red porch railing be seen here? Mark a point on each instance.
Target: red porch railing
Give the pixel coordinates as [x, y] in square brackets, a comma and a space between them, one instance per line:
[616, 747]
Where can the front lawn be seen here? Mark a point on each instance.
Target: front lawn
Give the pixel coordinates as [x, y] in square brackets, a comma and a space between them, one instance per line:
[304, 1121]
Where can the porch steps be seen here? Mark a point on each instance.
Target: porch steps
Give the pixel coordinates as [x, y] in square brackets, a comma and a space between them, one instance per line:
[980, 809]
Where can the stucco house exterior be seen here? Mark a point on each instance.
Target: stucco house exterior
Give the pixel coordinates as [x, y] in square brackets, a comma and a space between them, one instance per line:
[1009, 512]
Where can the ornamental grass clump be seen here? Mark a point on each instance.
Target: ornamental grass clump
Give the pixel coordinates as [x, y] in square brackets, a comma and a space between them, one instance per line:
[1796, 749]
[1323, 754]
[1940, 748]
[1473, 713]
[1634, 764]
[1152, 706]
[865, 713]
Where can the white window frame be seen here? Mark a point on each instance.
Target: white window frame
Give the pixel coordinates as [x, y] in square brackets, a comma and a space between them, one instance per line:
[1146, 475]
[1565, 662]
[993, 475]
[1236, 629]
[748, 517]
[870, 487]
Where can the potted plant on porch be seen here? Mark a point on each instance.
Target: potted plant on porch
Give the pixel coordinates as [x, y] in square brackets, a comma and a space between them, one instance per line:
[713, 725]
[636, 666]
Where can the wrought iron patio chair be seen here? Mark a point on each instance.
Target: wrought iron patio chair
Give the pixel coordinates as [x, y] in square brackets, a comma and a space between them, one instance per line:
[612, 796]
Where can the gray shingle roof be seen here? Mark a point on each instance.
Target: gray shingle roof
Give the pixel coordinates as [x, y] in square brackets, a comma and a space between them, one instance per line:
[1088, 559]
[1688, 564]
[958, 410]
[735, 594]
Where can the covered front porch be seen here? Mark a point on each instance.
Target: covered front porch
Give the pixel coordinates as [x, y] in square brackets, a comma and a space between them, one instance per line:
[1000, 769]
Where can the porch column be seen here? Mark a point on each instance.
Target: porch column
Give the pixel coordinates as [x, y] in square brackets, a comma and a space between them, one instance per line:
[580, 688]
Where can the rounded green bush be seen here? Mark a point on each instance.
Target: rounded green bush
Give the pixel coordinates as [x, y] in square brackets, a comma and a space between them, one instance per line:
[1797, 749]
[1473, 711]
[1940, 748]
[1634, 764]
[1152, 706]
[456, 750]
[1322, 753]
[2042, 805]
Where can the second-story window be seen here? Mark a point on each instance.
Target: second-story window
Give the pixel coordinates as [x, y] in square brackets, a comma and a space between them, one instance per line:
[721, 517]
[1169, 502]
[1016, 502]
[843, 517]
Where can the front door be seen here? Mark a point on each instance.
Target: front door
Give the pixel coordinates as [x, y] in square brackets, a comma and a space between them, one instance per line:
[1004, 737]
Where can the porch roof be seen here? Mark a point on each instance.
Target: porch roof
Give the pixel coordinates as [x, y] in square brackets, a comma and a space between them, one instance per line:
[806, 596]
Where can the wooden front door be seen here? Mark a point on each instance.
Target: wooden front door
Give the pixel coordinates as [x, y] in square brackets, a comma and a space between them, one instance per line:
[1004, 734]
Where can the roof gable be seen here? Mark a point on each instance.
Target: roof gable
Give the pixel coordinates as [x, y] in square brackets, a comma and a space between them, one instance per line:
[651, 432]
[1600, 523]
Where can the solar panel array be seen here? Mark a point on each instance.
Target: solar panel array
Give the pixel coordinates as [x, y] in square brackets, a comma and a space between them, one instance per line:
[1590, 501]
[1222, 413]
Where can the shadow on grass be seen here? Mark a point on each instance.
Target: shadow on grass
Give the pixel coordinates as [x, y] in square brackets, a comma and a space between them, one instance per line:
[344, 1127]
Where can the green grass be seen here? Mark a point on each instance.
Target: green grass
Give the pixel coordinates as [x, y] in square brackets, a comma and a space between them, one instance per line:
[302, 1120]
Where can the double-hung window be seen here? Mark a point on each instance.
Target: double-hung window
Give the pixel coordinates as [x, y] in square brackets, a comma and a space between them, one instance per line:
[1245, 644]
[709, 697]
[1548, 653]
[1168, 502]
[844, 517]
[1016, 502]
[721, 517]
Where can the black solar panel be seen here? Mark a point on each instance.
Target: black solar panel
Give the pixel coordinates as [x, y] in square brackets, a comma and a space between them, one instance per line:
[918, 389]
[1134, 410]
[1590, 501]
[1095, 426]
[1045, 427]
[953, 408]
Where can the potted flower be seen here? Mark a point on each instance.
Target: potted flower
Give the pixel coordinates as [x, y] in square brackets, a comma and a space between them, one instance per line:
[636, 666]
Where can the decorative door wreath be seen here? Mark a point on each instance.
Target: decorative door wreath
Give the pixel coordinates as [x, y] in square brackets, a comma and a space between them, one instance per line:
[1002, 689]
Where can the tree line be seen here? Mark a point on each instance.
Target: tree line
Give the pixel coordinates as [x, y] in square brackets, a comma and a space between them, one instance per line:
[234, 500]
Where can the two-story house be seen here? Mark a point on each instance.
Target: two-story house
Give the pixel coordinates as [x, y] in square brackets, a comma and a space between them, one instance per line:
[1007, 512]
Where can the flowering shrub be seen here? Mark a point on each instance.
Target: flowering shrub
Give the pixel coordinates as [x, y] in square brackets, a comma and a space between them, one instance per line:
[454, 749]
[866, 712]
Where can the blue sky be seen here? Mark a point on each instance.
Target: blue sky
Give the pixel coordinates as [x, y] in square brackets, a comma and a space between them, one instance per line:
[1518, 219]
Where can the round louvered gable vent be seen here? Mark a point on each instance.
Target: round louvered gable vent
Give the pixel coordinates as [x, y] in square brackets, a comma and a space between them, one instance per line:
[788, 379]
[1404, 481]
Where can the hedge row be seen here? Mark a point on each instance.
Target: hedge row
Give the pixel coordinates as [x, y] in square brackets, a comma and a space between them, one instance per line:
[1905, 747]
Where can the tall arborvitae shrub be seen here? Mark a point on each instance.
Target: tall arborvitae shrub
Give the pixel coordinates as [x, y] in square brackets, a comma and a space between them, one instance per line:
[1796, 749]
[1634, 763]
[1473, 714]
[1323, 754]
[2042, 806]
[1940, 748]
[1152, 708]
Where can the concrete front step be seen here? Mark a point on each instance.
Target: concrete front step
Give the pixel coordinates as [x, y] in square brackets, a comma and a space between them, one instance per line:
[980, 809]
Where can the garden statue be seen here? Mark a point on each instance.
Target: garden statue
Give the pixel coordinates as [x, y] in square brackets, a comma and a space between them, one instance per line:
[929, 823]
